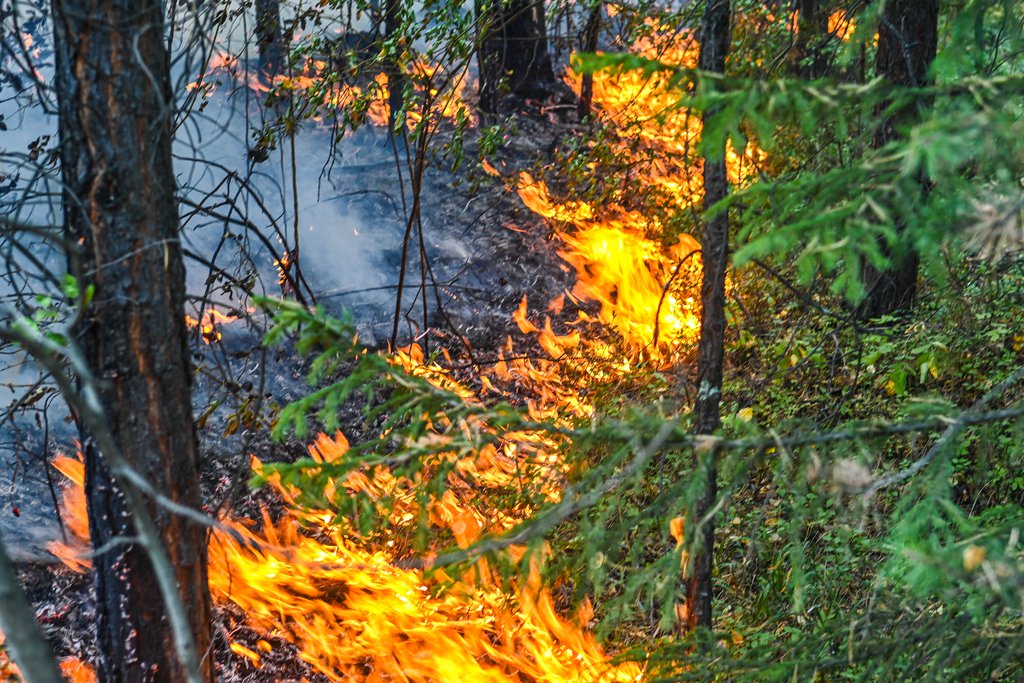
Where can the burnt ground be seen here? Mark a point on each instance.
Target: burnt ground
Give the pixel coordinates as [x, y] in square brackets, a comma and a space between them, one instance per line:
[504, 253]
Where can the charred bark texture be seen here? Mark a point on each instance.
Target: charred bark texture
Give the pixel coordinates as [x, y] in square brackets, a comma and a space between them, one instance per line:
[591, 34]
[269, 38]
[513, 47]
[116, 112]
[715, 38]
[907, 43]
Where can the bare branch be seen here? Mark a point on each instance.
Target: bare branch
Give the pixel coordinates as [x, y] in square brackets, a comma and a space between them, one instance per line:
[18, 622]
[951, 431]
[86, 402]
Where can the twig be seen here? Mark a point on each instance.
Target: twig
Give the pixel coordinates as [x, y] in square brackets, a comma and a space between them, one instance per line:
[952, 430]
[23, 637]
[86, 402]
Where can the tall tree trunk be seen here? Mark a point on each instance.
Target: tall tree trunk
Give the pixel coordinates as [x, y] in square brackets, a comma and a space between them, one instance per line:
[116, 111]
[591, 33]
[907, 43]
[269, 38]
[512, 46]
[714, 46]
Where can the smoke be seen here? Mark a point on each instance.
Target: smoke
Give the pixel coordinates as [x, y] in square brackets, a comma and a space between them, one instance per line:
[334, 200]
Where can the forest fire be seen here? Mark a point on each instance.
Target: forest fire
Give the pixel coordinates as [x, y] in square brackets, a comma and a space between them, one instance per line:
[442, 94]
[645, 281]
[360, 610]
[651, 358]
[355, 613]
[209, 324]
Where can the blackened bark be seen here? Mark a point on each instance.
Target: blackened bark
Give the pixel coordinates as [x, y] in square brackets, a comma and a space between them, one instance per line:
[116, 112]
[907, 43]
[269, 38]
[512, 46]
[591, 33]
[714, 46]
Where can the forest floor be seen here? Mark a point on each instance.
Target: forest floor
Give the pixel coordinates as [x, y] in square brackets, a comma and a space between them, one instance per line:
[510, 254]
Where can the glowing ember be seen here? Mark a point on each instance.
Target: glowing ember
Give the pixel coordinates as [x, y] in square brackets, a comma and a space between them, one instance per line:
[77, 671]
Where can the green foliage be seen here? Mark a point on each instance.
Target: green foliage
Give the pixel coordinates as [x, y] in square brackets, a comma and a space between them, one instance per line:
[819, 576]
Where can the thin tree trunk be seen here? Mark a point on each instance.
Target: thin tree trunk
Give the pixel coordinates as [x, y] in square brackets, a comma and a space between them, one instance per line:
[512, 46]
[591, 33]
[116, 111]
[907, 44]
[269, 38]
[714, 45]
[396, 79]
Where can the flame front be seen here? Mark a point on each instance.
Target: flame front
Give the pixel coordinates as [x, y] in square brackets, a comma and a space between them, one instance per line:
[315, 81]
[647, 291]
[358, 614]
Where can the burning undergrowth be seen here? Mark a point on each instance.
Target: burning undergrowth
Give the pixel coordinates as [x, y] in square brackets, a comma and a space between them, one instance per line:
[349, 597]
[341, 571]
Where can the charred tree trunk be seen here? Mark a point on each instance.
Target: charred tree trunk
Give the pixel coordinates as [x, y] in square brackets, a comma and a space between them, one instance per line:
[591, 33]
[714, 45]
[116, 112]
[512, 47]
[907, 43]
[269, 38]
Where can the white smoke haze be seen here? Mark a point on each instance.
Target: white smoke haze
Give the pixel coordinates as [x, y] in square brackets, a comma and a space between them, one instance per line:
[350, 223]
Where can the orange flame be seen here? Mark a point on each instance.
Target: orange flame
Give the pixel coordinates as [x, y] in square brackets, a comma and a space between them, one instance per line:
[209, 324]
[73, 515]
[647, 291]
[841, 25]
[315, 76]
[358, 614]
[73, 669]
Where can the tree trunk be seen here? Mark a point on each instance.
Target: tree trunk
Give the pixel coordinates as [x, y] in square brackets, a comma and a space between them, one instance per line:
[714, 45]
[269, 39]
[116, 112]
[512, 46]
[591, 33]
[810, 58]
[907, 43]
